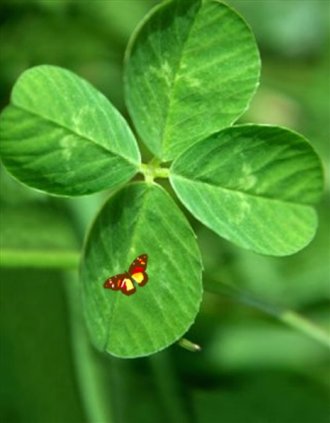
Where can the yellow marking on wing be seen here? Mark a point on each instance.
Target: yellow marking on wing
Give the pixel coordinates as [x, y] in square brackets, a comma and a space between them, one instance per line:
[129, 284]
[138, 277]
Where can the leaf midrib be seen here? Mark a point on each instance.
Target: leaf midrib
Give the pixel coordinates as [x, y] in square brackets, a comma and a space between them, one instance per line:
[174, 82]
[248, 194]
[133, 236]
[60, 125]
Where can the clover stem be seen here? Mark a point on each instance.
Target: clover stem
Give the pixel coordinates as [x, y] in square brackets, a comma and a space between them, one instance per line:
[153, 170]
[288, 317]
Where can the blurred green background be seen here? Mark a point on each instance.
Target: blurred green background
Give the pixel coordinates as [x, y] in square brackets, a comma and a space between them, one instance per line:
[253, 367]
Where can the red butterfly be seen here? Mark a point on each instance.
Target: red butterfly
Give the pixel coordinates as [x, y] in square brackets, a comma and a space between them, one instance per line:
[125, 281]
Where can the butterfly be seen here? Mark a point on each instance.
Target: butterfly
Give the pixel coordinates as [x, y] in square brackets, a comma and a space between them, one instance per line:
[125, 282]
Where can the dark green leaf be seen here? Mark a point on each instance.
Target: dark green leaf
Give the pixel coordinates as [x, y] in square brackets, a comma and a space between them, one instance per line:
[253, 185]
[192, 69]
[60, 135]
[139, 219]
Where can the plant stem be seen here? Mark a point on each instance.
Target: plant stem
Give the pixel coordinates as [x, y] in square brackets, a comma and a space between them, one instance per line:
[51, 259]
[289, 317]
[308, 328]
[90, 365]
[153, 170]
[91, 384]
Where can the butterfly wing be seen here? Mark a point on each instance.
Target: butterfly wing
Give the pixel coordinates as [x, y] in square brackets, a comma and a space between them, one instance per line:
[115, 282]
[125, 281]
[122, 282]
[137, 270]
[139, 264]
[127, 286]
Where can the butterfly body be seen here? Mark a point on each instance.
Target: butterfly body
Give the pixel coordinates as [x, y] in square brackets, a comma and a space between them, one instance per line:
[125, 282]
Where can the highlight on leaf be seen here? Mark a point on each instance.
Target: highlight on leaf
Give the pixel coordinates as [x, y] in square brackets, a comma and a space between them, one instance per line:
[62, 136]
[254, 185]
[192, 68]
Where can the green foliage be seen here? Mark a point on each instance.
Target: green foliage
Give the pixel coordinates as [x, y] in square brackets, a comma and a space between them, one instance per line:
[62, 136]
[263, 322]
[191, 70]
[129, 326]
[252, 185]
[187, 75]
